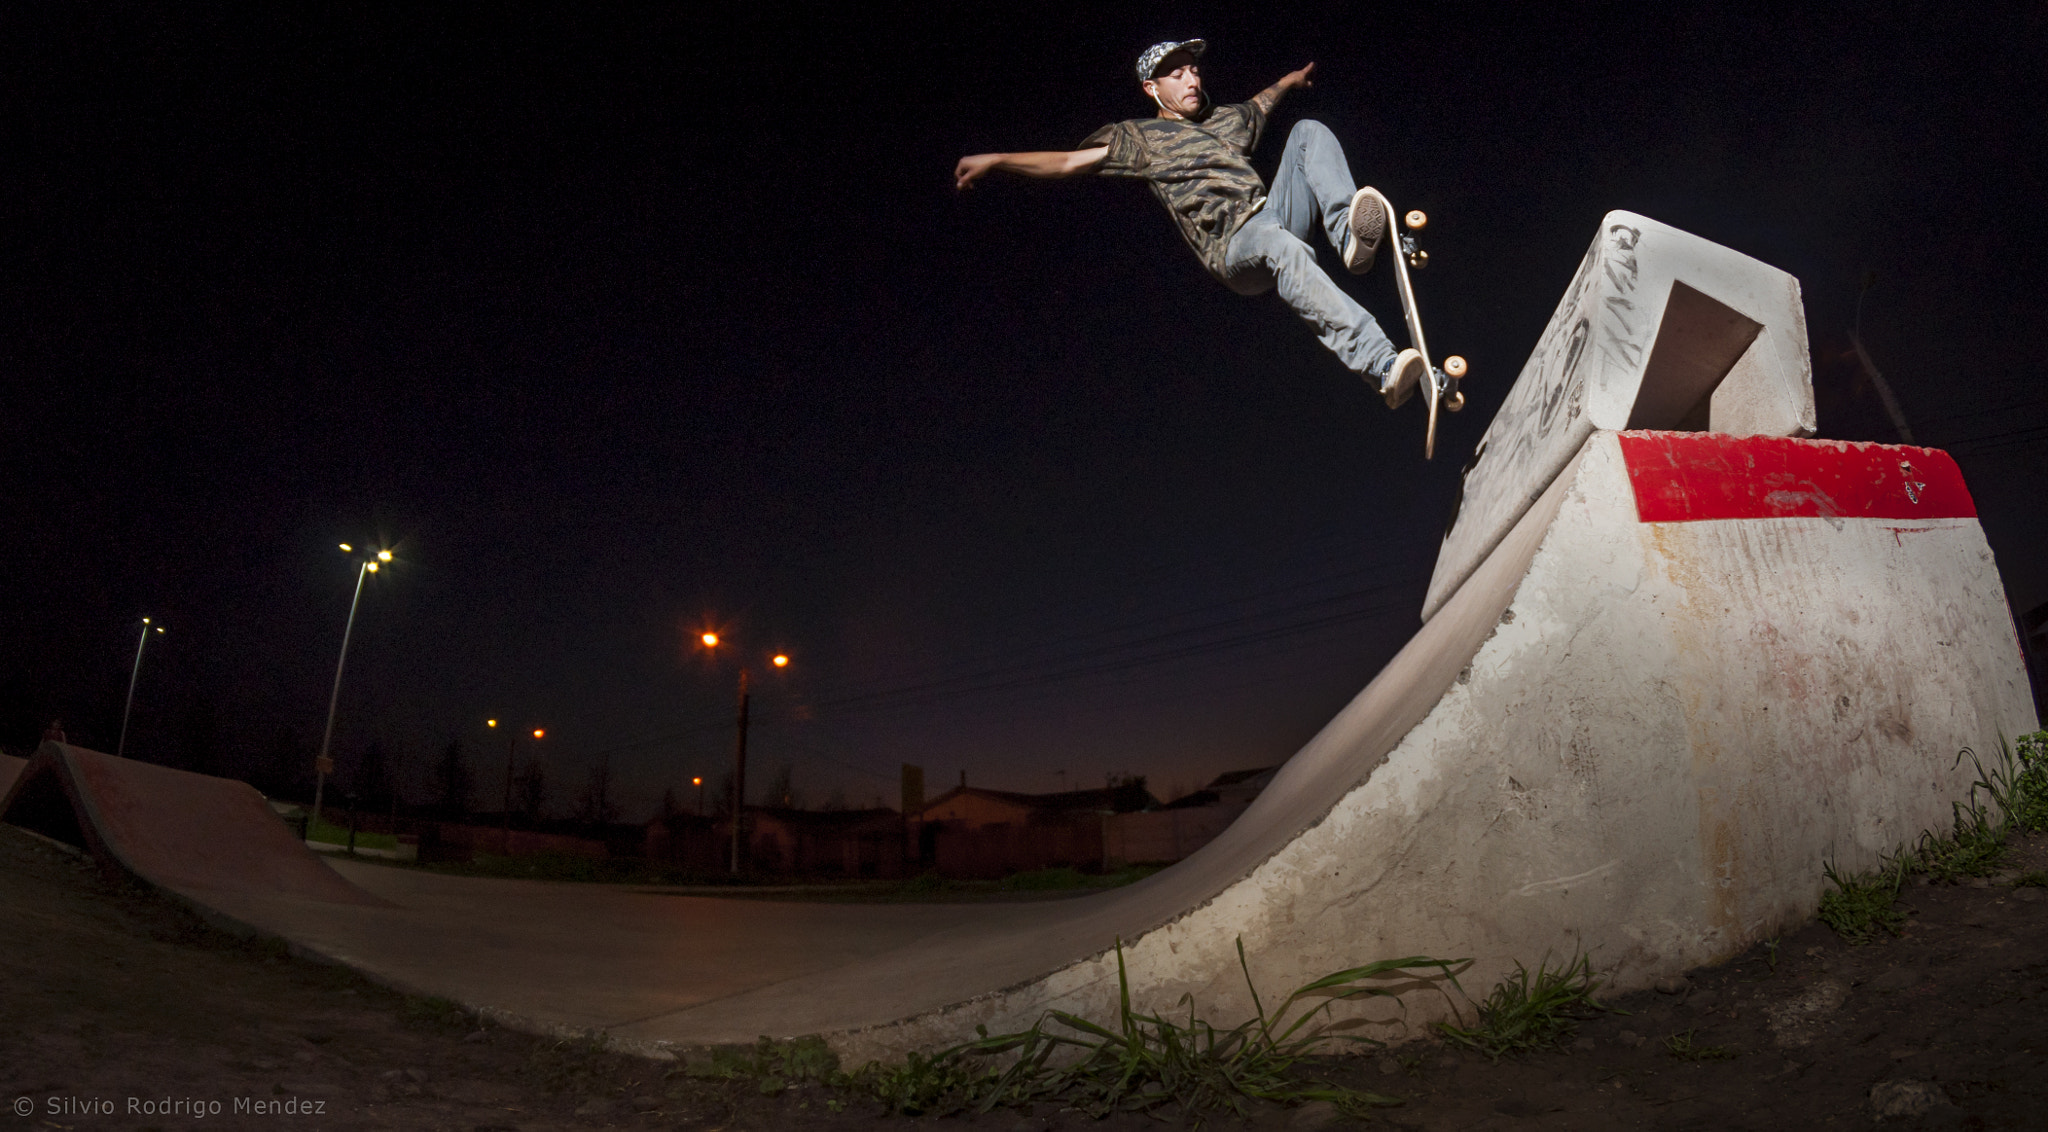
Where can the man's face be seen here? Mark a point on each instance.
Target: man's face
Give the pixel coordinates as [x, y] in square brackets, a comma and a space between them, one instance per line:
[1177, 85]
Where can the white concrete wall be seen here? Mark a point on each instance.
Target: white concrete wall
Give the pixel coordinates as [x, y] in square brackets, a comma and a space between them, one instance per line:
[1669, 730]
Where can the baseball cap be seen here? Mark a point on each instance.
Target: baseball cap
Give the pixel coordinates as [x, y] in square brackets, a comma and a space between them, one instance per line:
[1149, 61]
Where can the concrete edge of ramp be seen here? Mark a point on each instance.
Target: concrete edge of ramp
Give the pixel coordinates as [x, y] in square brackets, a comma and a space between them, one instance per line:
[1655, 744]
[187, 834]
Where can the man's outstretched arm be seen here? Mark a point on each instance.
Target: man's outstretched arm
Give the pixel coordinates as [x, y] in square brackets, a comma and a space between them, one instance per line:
[1268, 98]
[1047, 163]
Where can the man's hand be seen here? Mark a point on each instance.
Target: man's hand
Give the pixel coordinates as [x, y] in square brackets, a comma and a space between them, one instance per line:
[972, 169]
[1268, 98]
[1049, 163]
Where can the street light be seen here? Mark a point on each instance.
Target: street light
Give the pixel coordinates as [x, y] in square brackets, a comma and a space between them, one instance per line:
[698, 782]
[511, 739]
[147, 628]
[324, 766]
[739, 753]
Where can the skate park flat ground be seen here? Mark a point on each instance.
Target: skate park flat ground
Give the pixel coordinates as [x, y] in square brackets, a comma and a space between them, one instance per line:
[583, 956]
[113, 993]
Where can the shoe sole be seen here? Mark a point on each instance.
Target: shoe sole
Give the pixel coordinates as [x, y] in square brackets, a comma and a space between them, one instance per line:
[1407, 375]
[1368, 225]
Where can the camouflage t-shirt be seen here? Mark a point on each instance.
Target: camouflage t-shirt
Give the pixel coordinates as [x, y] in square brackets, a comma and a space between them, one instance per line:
[1198, 170]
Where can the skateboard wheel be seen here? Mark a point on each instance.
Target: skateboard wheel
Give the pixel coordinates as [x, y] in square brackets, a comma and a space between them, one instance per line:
[1419, 260]
[1454, 402]
[1454, 365]
[1417, 220]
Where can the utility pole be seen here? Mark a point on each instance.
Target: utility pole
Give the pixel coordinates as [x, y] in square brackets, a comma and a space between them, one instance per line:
[121, 747]
[739, 779]
[322, 764]
[739, 756]
[511, 741]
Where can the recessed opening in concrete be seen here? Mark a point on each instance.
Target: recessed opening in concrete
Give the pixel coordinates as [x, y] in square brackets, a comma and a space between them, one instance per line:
[1699, 341]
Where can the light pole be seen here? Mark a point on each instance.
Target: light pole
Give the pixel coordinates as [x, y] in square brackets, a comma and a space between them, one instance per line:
[739, 753]
[122, 746]
[511, 738]
[324, 766]
[698, 782]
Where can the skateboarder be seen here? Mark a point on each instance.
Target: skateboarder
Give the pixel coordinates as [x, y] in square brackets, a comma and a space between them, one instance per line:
[1193, 153]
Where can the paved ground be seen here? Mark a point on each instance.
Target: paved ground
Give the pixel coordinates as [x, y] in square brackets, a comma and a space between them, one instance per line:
[114, 993]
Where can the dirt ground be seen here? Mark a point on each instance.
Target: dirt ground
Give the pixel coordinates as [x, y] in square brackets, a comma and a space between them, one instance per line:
[122, 1010]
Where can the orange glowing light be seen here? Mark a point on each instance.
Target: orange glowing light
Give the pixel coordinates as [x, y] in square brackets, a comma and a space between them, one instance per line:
[539, 732]
[697, 782]
[490, 723]
[781, 661]
[710, 640]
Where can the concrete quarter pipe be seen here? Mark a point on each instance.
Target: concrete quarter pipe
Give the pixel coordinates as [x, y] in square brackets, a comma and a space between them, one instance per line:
[1674, 658]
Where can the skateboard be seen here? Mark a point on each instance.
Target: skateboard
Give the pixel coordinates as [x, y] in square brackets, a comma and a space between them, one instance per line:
[1440, 388]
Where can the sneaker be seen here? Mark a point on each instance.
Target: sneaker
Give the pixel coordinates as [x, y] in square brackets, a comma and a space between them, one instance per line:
[1368, 223]
[1402, 375]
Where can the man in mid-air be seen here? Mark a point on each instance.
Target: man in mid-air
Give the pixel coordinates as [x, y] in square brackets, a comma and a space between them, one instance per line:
[1193, 154]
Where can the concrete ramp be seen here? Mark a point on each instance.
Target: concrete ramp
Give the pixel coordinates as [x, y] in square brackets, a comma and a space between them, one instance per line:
[1696, 669]
[10, 769]
[1665, 673]
[198, 836]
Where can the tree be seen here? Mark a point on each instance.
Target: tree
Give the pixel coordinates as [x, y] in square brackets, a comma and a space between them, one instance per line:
[782, 789]
[530, 790]
[452, 780]
[371, 782]
[596, 807]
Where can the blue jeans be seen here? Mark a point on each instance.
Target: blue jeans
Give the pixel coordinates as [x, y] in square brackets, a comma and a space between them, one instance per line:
[1312, 189]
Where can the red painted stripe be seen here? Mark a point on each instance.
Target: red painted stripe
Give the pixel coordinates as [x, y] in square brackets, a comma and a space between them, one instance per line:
[1683, 477]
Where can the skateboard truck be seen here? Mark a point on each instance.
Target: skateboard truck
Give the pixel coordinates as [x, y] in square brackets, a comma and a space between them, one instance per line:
[1417, 258]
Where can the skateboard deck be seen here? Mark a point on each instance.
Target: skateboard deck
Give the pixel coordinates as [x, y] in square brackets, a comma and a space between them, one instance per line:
[1440, 387]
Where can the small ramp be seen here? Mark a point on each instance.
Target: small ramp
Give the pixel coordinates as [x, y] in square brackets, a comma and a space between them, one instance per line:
[195, 835]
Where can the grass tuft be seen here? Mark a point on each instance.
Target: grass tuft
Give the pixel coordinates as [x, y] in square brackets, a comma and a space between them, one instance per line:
[1685, 1048]
[1145, 1062]
[1974, 847]
[1525, 1013]
[772, 1066]
[435, 1012]
[2018, 785]
[1863, 905]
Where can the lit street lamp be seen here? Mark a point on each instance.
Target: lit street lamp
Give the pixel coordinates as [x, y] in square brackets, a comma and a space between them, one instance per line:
[739, 754]
[698, 782]
[511, 739]
[122, 746]
[324, 766]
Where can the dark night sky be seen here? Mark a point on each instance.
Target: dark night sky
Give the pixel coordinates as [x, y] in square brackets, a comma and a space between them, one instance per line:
[617, 323]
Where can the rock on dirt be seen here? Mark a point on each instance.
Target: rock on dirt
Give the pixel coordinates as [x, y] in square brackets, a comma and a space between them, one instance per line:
[1802, 1018]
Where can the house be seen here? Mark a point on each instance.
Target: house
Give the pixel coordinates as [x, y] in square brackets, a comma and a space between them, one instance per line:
[1183, 825]
[1231, 788]
[974, 832]
[977, 808]
[846, 843]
